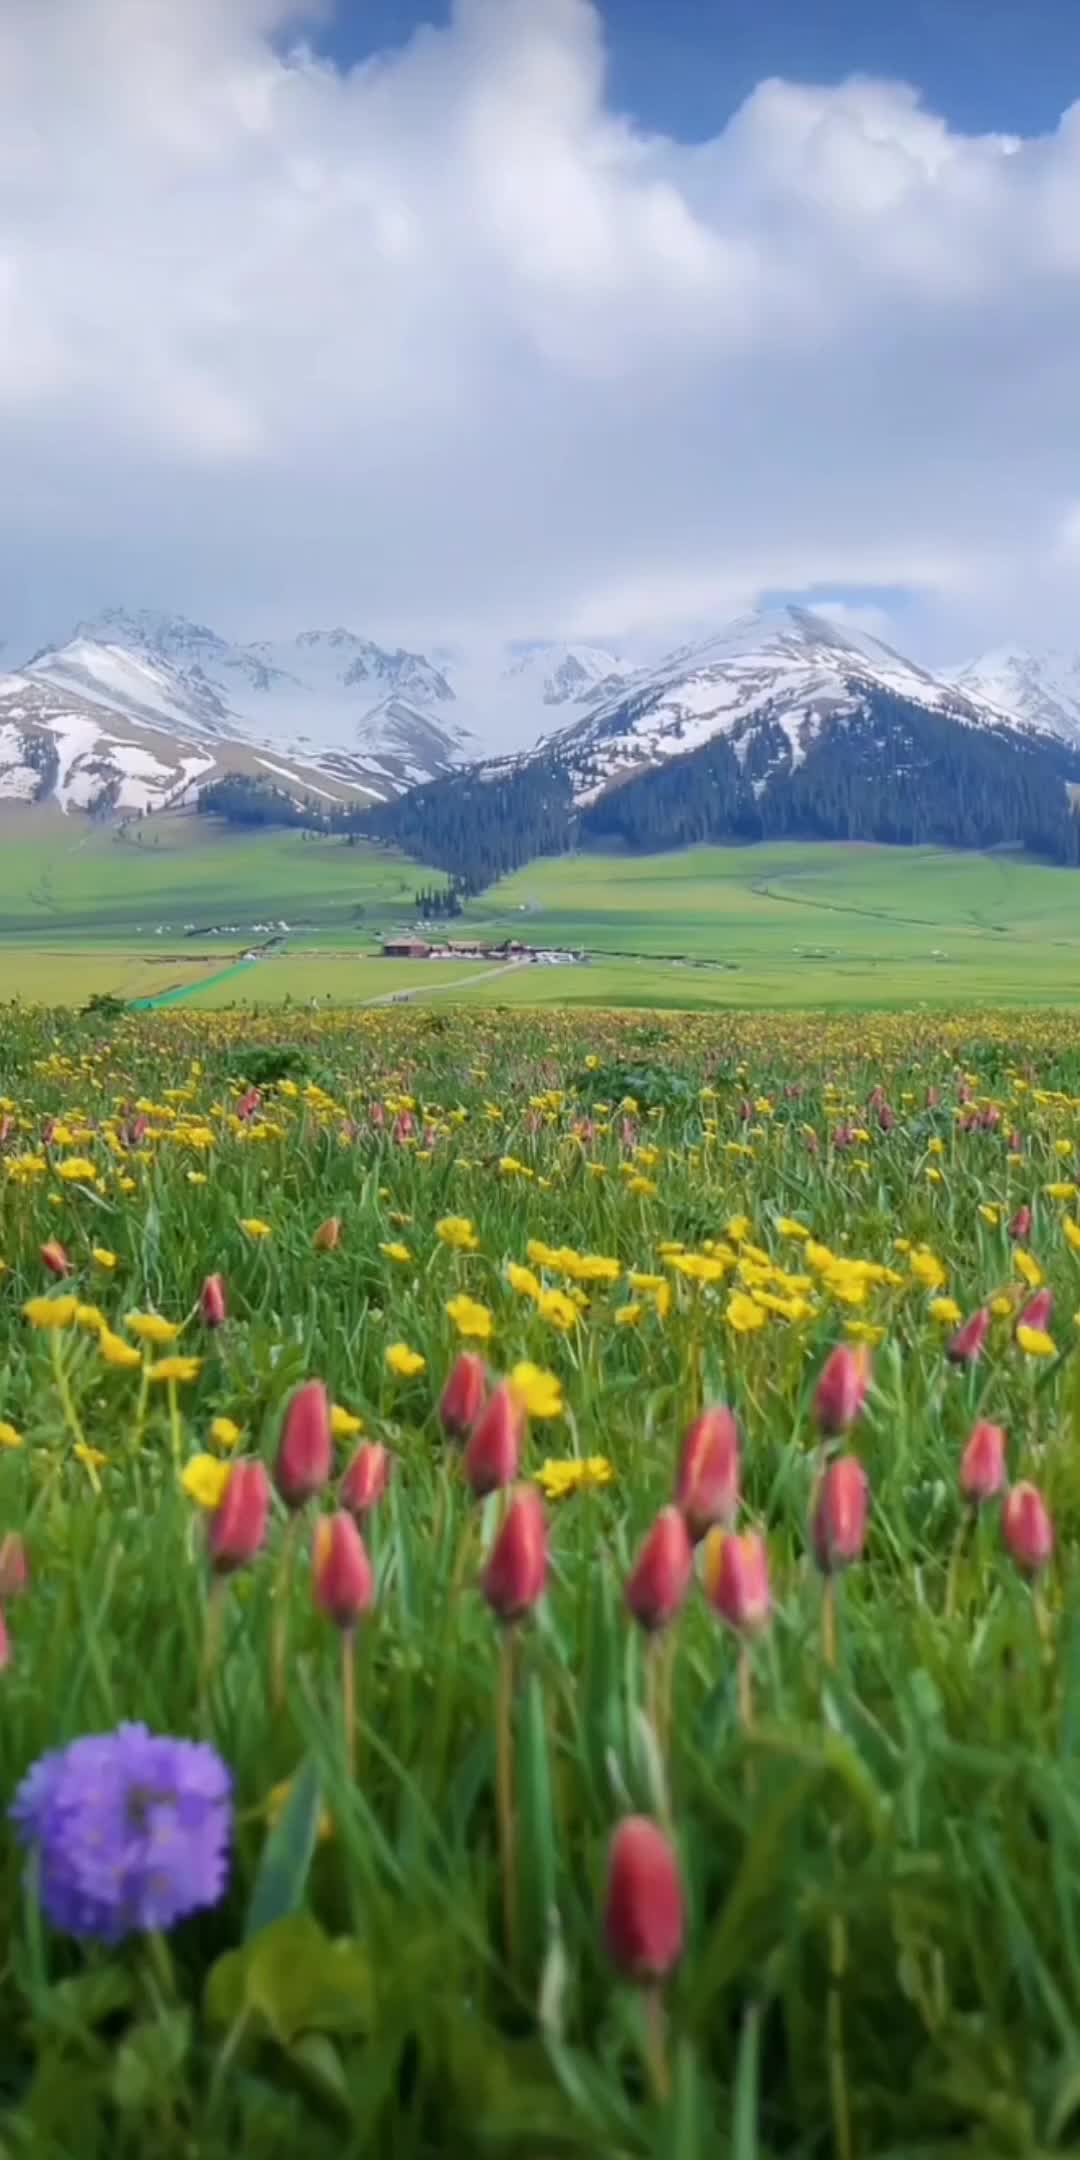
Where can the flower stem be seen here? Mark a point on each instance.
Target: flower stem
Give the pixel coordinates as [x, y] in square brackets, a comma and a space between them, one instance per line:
[656, 2056]
[63, 1389]
[348, 1700]
[504, 1785]
[955, 1555]
[280, 1647]
[838, 2088]
[828, 1622]
[174, 1424]
[745, 1687]
[211, 1652]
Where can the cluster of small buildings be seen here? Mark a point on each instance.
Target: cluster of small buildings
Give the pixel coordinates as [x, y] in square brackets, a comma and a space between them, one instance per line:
[418, 948]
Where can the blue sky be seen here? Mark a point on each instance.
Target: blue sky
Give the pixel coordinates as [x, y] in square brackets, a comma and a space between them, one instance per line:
[601, 319]
[685, 65]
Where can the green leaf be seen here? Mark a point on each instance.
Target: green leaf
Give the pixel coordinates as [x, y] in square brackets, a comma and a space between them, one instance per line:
[291, 1979]
[287, 1854]
[148, 2062]
[536, 1841]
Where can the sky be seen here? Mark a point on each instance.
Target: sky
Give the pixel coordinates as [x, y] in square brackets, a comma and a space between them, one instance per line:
[471, 320]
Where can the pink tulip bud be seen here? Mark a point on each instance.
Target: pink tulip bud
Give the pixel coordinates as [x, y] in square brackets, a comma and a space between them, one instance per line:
[305, 1454]
[982, 1465]
[842, 1388]
[515, 1576]
[644, 1918]
[493, 1451]
[839, 1526]
[213, 1302]
[966, 1346]
[1020, 1226]
[55, 1258]
[1038, 1311]
[248, 1105]
[238, 1527]
[6, 1656]
[707, 1486]
[662, 1574]
[342, 1575]
[366, 1478]
[327, 1237]
[464, 1395]
[1028, 1528]
[14, 1566]
[737, 1579]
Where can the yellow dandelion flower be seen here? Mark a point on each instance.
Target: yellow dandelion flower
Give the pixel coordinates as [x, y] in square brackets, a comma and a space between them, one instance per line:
[539, 1393]
[558, 1479]
[116, 1351]
[1002, 1306]
[1072, 1232]
[206, 1481]
[45, 1312]
[151, 1327]
[77, 1170]
[560, 1310]
[405, 1362]
[253, 1227]
[1035, 1342]
[743, 1314]
[344, 1424]
[865, 1331]
[1028, 1268]
[104, 1258]
[628, 1315]
[928, 1269]
[646, 1188]
[946, 1311]
[91, 1459]
[471, 1319]
[197, 1177]
[397, 1252]
[457, 1231]
[523, 1280]
[10, 1437]
[788, 1227]
[1060, 1191]
[699, 1267]
[224, 1433]
[990, 1213]
[175, 1369]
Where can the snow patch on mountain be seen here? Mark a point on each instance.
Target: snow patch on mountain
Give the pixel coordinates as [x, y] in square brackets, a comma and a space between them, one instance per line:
[1040, 688]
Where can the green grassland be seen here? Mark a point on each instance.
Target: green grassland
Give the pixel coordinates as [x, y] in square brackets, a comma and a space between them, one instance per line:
[85, 908]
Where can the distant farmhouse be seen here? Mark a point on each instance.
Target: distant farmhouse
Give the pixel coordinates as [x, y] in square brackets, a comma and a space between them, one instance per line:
[511, 949]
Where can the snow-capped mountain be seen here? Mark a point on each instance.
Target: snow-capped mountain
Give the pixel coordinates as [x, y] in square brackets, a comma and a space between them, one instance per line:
[1041, 688]
[786, 672]
[564, 674]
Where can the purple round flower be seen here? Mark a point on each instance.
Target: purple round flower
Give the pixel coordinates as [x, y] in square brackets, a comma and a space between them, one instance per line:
[131, 1831]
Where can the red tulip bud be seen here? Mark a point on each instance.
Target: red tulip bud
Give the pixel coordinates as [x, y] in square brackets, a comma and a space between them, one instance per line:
[842, 1388]
[1037, 1312]
[327, 1237]
[366, 1478]
[707, 1486]
[982, 1465]
[238, 1527]
[737, 1579]
[494, 1448]
[213, 1302]
[843, 1503]
[55, 1258]
[644, 1916]
[966, 1346]
[1029, 1531]
[516, 1573]
[343, 1581]
[14, 1566]
[464, 1395]
[1020, 1226]
[305, 1454]
[5, 1643]
[661, 1577]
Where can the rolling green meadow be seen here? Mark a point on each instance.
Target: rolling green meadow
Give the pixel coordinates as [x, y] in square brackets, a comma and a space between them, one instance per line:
[84, 910]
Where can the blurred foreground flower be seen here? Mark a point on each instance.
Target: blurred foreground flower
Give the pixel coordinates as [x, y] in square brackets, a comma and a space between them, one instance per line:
[1029, 1530]
[707, 1484]
[130, 1831]
[644, 1916]
[464, 1395]
[842, 1389]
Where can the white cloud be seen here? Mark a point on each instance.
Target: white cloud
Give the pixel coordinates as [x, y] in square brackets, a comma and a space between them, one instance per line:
[447, 343]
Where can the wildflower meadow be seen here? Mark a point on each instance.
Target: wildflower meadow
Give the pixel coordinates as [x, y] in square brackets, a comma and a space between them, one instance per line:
[538, 1600]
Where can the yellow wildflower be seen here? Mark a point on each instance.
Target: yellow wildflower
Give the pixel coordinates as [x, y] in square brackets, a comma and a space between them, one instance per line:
[104, 1258]
[1028, 1268]
[1035, 1342]
[699, 1267]
[10, 1437]
[197, 1177]
[990, 1213]
[743, 1315]
[175, 1369]
[405, 1362]
[254, 1227]
[554, 1305]
[472, 1319]
[928, 1269]
[225, 1434]
[397, 1252]
[151, 1328]
[344, 1423]
[1001, 1307]
[92, 1460]
[457, 1231]
[558, 1479]
[523, 1280]
[1072, 1232]
[539, 1392]
[788, 1227]
[628, 1315]
[1061, 1191]
[946, 1311]
[865, 1331]
[206, 1480]
[116, 1351]
[45, 1312]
